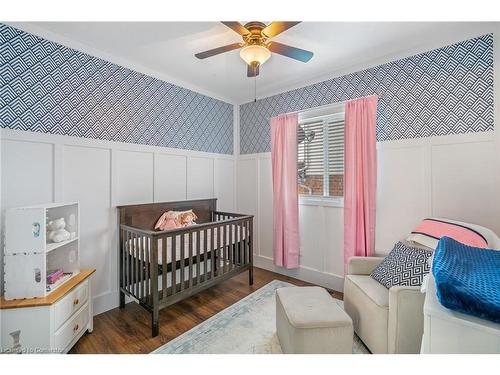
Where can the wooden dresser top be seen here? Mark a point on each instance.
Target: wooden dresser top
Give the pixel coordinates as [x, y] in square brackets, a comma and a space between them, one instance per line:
[52, 297]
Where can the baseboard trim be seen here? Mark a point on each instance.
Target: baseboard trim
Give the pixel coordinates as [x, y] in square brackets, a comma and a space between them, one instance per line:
[324, 279]
[105, 301]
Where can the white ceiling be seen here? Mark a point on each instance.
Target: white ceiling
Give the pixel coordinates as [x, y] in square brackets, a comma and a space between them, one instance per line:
[166, 50]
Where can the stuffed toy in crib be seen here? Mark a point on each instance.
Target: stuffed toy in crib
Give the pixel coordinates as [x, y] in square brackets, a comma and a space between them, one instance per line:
[176, 219]
[187, 218]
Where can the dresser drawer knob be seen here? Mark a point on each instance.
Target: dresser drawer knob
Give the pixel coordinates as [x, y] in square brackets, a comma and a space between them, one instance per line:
[75, 328]
[76, 301]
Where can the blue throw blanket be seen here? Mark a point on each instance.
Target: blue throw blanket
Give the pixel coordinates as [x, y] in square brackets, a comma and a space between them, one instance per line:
[468, 279]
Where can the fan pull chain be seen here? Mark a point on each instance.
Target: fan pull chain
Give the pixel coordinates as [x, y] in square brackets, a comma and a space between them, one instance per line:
[255, 89]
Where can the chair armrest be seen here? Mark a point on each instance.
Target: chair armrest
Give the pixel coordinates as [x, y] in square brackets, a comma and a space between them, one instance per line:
[362, 265]
[406, 319]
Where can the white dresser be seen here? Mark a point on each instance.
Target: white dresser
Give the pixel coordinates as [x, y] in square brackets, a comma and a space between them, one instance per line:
[451, 332]
[51, 324]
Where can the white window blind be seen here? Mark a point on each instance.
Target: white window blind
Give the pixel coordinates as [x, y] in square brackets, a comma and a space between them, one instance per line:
[336, 147]
[321, 155]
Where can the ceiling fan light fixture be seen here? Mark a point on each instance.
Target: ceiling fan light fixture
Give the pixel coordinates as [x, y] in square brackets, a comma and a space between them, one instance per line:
[255, 53]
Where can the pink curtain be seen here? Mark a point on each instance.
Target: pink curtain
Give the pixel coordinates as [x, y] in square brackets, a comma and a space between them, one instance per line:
[285, 195]
[360, 177]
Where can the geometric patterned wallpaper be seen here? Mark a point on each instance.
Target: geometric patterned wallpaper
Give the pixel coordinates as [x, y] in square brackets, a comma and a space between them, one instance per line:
[445, 91]
[46, 87]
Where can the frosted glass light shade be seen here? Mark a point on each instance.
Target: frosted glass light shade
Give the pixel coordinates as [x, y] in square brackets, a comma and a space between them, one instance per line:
[255, 53]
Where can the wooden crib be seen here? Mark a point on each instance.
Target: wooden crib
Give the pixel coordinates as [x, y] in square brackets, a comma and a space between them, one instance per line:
[160, 268]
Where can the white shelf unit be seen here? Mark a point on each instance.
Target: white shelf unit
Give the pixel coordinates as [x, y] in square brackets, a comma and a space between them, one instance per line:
[29, 255]
[451, 332]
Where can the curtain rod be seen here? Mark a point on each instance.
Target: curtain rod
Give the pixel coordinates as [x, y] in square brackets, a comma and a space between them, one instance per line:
[329, 105]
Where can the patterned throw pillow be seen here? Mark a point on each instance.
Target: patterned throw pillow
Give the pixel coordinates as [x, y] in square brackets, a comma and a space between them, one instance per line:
[405, 265]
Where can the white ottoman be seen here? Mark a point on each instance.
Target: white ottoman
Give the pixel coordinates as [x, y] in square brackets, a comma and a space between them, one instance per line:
[308, 320]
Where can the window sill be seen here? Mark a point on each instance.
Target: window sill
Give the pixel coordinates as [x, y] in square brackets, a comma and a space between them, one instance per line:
[305, 200]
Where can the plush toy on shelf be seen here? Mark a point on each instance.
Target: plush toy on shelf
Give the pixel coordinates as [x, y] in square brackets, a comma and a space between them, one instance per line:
[56, 231]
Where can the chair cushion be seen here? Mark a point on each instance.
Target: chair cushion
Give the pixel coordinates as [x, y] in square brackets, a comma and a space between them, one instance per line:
[404, 266]
[371, 288]
[311, 307]
[367, 303]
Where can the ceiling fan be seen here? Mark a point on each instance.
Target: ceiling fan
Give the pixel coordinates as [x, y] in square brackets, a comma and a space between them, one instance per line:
[256, 47]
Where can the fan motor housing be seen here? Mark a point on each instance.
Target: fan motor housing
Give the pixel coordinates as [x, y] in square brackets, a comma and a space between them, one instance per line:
[255, 36]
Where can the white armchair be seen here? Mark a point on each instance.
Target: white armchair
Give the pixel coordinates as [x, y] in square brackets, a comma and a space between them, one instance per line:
[387, 320]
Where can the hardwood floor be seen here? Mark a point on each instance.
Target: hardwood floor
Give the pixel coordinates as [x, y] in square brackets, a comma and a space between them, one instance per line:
[128, 330]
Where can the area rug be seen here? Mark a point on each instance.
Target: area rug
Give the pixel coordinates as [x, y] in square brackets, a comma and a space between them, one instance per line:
[247, 327]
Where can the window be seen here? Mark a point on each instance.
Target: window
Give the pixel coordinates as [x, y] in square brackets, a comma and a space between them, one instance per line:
[321, 155]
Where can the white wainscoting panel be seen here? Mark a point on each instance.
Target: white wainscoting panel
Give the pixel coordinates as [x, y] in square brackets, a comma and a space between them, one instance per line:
[333, 240]
[403, 193]
[40, 168]
[466, 183]
[200, 178]
[86, 172]
[265, 209]
[224, 180]
[27, 177]
[170, 177]
[27, 173]
[134, 172]
[312, 230]
[247, 186]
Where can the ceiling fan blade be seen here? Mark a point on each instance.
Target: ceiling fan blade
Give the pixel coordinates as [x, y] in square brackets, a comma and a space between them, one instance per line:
[236, 26]
[289, 51]
[216, 51]
[275, 28]
[253, 70]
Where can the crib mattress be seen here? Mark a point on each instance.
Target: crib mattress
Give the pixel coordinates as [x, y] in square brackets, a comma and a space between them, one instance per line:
[136, 246]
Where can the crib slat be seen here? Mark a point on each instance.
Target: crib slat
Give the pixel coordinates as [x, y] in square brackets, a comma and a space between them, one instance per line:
[198, 240]
[147, 273]
[122, 243]
[220, 248]
[205, 254]
[237, 244]
[136, 264]
[190, 251]
[147, 260]
[131, 274]
[123, 249]
[182, 239]
[132, 262]
[247, 242]
[142, 266]
[243, 243]
[224, 249]
[127, 255]
[212, 255]
[174, 264]
[164, 266]
[232, 245]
